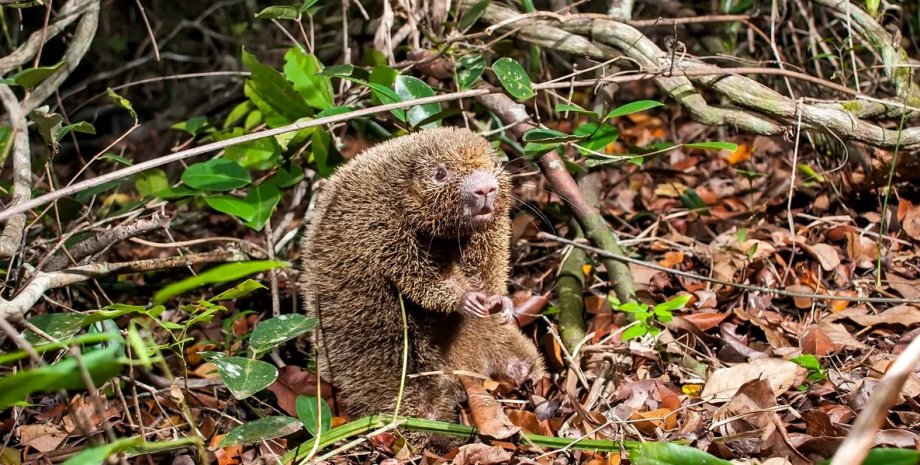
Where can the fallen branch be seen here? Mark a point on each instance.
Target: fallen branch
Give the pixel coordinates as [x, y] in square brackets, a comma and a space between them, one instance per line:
[570, 295]
[11, 238]
[68, 13]
[106, 239]
[42, 282]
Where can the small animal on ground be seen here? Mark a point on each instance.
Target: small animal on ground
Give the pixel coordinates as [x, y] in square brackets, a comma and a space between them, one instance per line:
[420, 221]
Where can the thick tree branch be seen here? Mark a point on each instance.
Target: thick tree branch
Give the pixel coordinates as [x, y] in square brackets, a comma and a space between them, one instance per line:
[25, 52]
[11, 237]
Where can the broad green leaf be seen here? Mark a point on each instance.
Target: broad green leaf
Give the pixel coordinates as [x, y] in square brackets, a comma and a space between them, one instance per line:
[513, 78]
[564, 107]
[872, 7]
[113, 311]
[451, 111]
[308, 414]
[218, 174]
[231, 205]
[56, 325]
[632, 107]
[535, 149]
[304, 71]
[279, 12]
[219, 274]
[287, 176]
[669, 453]
[177, 192]
[151, 182]
[889, 456]
[385, 96]
[473, 14]
[5, 133]
[123, 102]
[338, 70]
[676, 303]
[98, 455]
[237, 113]
[469, 68]
[82, 127]
[324, 153]
[272, 93]
[48, 124]
[712, 146]
[411, 88]
[547, 136]
[29, 78]
[261, 430]
[191, 125]
[139, 346]
[637, 330]
[240, 290]
[243, 376]
[263, 199]
[102, 365]
[597, 137]
[334, 111]
[278, 330]
[306, 5]
[259, 154]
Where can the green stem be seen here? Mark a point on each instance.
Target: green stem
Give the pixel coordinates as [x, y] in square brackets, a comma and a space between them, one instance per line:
[374, 422]
[570, 295]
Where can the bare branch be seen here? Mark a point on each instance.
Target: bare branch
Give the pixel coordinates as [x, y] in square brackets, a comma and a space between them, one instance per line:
[11, 238]
[107, 239]
[67, 15]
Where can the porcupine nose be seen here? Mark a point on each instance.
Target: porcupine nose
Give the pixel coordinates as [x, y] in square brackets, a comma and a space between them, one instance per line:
[483, 184]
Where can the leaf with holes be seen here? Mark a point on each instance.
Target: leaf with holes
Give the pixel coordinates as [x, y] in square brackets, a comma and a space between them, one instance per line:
[243, 376]
[278, 330]
[513, 78]
[469, 68]
[261, 430]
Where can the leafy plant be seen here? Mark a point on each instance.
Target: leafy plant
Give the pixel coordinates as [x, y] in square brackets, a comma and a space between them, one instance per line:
[647, 320]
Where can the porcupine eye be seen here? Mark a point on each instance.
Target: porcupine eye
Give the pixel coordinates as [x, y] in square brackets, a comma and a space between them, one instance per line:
[440, 174]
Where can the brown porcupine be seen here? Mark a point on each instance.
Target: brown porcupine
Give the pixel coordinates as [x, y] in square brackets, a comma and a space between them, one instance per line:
[425, 216]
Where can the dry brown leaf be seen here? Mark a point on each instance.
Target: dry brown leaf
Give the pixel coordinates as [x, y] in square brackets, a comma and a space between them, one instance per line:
[909, 289]
[661, 418]
[911, 223]
[815, 342]
[826, 255]
[206, 370]
[529, 422]
[226, 455]
[43, 437]
[294, 381]
[904, 206]
[670, 189]
[862, 250]
[905, 315]
[706, 320]
[782, 375]
[487, 413]
[801, 302]
[672, 259]
[481, 454]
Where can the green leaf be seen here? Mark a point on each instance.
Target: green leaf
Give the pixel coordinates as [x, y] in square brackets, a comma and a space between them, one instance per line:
[231, 205]
[535, 149]
[562, 107]
[56, 325]
[872, 7]
[338, 70]
[116, 159]
[272, 93]
[29, 78]
[139, 346]
[278, 330]
[97, 455]
[191, 125]
[82, 127]
[243, 376]
[334, 111]
[286, 177]
[669, 453]
[410, 88]
[513, 78]
[548, 136]
[237, 113]
[151, 182]
[5, 133]
[473, 14]
[48, 124]
[637, 330]
[219, 274]
[808, 361]
[259, 154]
[889, 456]
[261, 430]
[102, 365]
[324, 153]
[451, 111]
[87, 194]
[240, 290]
[676, 303]
[262, 199]
[469, 68]
[122, 102]
[597, 137]
[279, 12]
[692, 200]
[303, 70]
[712, 146]
[308, 414]
[218, 174]
[632, 107]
